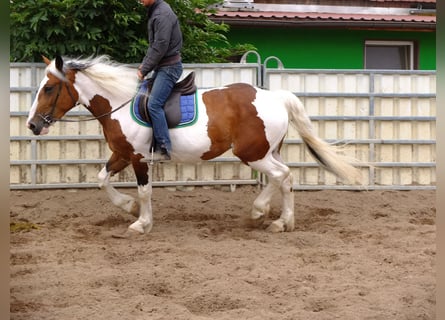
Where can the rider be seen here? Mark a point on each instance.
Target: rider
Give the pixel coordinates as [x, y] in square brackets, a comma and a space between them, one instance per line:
[163, 57]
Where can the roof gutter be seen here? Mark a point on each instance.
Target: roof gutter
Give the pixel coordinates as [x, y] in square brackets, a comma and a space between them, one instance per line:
[416, 26]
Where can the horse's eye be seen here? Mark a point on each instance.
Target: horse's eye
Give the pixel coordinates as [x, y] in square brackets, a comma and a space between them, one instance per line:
[48, 89]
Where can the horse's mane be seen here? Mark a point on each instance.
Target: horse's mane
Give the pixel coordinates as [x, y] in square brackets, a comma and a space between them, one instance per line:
[115, 78]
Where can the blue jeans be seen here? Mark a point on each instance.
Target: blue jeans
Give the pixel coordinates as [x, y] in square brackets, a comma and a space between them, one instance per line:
[164, 80]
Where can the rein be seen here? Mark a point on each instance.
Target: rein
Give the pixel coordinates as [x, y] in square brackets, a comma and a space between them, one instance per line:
[94, 118]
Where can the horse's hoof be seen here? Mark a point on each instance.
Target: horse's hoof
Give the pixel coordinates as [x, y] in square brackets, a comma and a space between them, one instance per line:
[148, 228]
[128, 234]
[276, 226]
[290, 226]
[254, 223]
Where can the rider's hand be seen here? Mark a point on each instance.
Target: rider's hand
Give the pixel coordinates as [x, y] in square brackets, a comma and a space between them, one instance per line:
[140, 75]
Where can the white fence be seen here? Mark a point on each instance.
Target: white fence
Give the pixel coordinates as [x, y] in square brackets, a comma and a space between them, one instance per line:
[386, 118]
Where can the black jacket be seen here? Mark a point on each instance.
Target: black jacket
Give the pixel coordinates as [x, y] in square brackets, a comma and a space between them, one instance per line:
[164, 37]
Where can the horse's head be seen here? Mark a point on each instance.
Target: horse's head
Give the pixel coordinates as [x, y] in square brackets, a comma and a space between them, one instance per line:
[55, 97]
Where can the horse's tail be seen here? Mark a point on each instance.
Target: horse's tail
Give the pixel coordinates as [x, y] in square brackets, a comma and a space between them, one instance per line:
[326, 154]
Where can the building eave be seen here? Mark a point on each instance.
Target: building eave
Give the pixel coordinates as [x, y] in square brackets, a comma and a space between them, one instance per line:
[327, 16]
[291, 23]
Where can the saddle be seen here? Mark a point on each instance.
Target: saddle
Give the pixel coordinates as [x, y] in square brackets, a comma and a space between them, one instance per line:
[172, 107]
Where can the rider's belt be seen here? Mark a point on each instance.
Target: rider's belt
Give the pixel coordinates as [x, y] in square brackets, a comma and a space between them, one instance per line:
[169, 60]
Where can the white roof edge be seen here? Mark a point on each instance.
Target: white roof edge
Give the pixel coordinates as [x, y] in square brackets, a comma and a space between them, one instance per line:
[330, 9]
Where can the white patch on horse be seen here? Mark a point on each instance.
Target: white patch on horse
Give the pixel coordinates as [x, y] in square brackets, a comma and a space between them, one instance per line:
[274, 115]
[32, 111]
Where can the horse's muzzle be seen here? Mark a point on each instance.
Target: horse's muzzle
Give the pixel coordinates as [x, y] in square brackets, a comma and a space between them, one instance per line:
[37, 127]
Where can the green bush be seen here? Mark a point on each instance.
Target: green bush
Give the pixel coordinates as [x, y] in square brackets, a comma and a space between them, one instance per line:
[113, 27]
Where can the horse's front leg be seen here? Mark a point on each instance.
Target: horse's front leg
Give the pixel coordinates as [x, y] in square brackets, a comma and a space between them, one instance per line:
[124, 201]
[145, 221]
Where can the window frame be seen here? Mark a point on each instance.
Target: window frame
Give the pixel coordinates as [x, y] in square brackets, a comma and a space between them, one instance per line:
[413, 50]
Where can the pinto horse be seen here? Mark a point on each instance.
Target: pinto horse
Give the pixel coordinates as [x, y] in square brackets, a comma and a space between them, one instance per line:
[251, 121]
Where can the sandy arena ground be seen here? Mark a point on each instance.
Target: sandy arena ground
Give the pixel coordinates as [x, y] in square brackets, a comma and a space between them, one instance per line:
[353, 255]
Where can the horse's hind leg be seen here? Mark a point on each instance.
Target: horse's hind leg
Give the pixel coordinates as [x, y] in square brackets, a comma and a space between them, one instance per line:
[280, 180]
[286, 222]
[261, 205]
[124, 201]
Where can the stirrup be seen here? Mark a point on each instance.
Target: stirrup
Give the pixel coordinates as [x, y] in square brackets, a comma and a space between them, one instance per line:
[160, 157]
[157, 157]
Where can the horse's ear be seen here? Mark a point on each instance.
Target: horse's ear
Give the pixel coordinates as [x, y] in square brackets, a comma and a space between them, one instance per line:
[46, 60]
[59, 63]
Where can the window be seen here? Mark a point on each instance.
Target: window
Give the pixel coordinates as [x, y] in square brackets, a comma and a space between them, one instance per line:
[397, 55]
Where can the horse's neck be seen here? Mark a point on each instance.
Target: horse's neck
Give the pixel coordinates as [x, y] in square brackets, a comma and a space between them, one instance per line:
[95, 97]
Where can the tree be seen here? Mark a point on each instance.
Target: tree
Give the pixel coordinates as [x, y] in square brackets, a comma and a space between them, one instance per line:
[71, 27]
[113, 27]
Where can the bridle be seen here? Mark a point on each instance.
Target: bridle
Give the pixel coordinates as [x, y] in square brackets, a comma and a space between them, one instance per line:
[48, 118]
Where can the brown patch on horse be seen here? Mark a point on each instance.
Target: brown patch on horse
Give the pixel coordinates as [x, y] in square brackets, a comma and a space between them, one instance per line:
[234, 123]
[123, 151]
[112, 130]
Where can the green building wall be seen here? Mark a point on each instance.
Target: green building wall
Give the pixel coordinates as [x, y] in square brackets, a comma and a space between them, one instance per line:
[305, 48]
